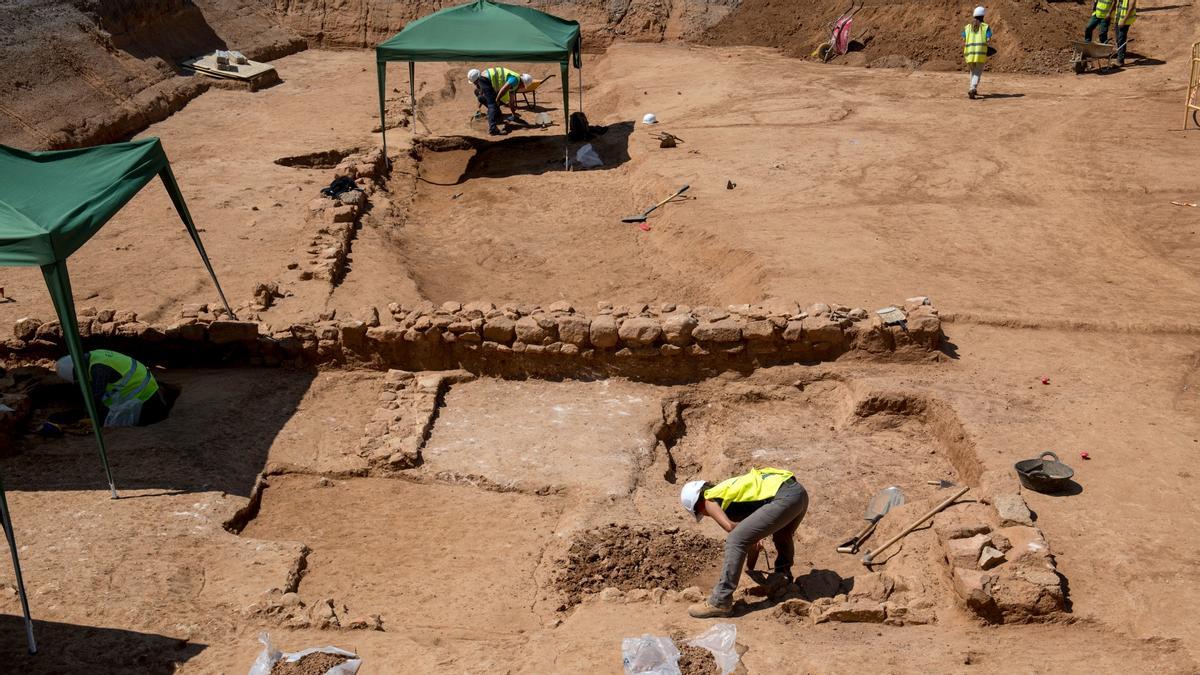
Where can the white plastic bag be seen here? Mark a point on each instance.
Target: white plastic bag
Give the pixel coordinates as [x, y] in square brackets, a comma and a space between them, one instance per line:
[270, 656]
[125, 414]
[649, 655]
[587, 157]
[720, 640]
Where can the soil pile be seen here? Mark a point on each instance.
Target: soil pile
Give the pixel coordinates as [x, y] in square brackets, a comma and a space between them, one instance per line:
[697, 661]
[624, 557]
[87, 72]
[317, 663]
[1029, 36]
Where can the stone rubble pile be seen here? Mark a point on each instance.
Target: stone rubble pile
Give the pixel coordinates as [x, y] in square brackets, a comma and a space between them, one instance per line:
[331, 223]
[393, 439]
[288, 610]
[1000, 564]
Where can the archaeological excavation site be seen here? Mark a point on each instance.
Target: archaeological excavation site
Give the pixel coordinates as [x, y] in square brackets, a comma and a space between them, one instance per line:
[314, 363]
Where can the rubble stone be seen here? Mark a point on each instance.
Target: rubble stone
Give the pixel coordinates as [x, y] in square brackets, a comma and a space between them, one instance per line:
[603, 332]
[639, 332]
[1012, 509]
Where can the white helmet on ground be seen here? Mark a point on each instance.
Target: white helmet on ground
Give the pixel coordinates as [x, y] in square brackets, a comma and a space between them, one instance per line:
[649, 118]
[978, 12]
[526, 79]
[690, 495]
[472, 75]
[65, 368]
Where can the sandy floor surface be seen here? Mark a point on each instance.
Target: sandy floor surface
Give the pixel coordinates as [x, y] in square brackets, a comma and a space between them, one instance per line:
[1041, 227]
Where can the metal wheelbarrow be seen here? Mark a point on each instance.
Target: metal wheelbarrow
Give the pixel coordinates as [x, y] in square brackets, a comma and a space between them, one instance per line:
[1085, 54]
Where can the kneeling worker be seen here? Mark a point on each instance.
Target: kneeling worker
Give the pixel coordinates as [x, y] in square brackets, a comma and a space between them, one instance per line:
[125, 392]
[749, 507]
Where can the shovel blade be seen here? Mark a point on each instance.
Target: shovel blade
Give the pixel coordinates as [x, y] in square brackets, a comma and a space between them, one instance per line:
[635, 219]
[882, 502]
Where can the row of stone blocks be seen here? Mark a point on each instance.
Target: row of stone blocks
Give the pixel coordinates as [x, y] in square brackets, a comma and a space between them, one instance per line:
[452, 335]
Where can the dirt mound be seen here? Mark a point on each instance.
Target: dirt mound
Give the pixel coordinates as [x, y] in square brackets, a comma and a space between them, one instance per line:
[697, 661]
[1029, 36]
[626, 558]
[87, 72]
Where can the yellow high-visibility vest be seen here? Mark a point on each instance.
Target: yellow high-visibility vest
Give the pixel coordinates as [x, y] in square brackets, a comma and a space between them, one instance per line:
[136, 382]
[498, 76]
[1103, 10]
[1126, 15]
[975, 43]
[756, 486]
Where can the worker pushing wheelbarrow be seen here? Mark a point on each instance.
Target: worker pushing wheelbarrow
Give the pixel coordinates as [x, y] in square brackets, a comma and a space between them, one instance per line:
[839, 35]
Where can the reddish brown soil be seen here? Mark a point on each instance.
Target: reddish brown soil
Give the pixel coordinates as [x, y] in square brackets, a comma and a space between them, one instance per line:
[1030, 36]
[625, 557]
[697, 661]
[317, 663]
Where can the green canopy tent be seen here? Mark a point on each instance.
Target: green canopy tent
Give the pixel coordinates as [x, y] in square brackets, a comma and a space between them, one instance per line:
[482, 31]
[51, 204]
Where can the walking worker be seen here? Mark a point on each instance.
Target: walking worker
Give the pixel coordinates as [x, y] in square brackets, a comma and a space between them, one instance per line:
[124, 389]
[1102, 13]
[1126, 15]
[975, 48]
[749, 507]
[495, 86]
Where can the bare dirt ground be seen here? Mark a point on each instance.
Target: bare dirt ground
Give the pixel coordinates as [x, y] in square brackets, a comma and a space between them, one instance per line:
[1038, 218]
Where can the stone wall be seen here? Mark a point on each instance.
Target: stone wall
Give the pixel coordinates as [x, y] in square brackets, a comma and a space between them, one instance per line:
[668, 343]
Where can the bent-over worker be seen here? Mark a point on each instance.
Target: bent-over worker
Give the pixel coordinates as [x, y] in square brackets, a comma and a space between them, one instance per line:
[1102, 13]
[749, 507]
[975, 48]
[125, 391]
[495, 86]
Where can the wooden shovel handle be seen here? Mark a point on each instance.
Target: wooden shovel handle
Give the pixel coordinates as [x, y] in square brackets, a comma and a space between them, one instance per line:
[870, 556]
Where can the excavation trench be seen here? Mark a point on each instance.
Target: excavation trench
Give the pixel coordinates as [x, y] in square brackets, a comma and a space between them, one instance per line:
[566, 493]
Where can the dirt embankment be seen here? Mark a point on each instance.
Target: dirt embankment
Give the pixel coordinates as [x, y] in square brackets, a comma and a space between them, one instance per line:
[365, 23]
[1029, 35]
[83, 72]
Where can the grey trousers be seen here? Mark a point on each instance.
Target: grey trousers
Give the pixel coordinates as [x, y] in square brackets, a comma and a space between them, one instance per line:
[779, 518]
[976, 73]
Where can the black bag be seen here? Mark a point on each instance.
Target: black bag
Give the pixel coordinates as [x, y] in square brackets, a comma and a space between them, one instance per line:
[578, 129]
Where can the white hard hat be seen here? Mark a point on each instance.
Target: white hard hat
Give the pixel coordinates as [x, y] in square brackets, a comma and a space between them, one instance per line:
[472, 75]
[526, 79]
[978, 11]
[649, 119]
[690, 495]
[65, 368]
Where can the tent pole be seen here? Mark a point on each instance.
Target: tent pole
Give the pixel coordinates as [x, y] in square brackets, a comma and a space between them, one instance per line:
[580, 86]
[59, 283]
[381, 67]
[565, 73]
[168, 179]
[12, 547]
[412, 94]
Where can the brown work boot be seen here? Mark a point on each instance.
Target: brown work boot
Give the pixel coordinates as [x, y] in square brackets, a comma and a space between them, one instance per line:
[703, 610]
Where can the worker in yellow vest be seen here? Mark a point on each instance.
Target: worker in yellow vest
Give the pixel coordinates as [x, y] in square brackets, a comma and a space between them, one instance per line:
[761, 503]
[1102, 13]
[1126, 15]
[495, 86]
[125, 391]
[975, 48]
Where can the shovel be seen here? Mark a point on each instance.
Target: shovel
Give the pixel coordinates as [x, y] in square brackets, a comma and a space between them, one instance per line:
[641, 218]
[880, 504]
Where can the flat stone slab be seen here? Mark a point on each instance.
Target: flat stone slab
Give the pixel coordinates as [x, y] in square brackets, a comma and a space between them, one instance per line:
[538, 436]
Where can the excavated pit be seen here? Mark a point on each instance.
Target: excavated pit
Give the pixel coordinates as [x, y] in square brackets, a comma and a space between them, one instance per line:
[469, 221]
